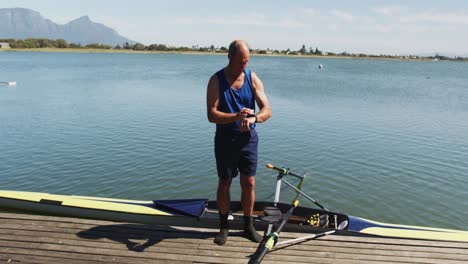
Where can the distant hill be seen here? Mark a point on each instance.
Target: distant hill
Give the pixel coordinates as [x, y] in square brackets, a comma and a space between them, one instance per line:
[21, 23]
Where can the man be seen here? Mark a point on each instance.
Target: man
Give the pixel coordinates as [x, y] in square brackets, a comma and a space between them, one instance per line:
[231, 96]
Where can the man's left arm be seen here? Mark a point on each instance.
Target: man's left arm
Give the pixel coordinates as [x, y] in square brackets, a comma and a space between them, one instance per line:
[261, 99]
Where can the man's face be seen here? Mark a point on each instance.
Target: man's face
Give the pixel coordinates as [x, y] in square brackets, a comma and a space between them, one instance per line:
[240, 59]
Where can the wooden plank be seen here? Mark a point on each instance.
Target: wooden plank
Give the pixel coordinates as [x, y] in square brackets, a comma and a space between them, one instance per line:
[80, 239]
[315, 260]
[111, 233]
[101, 254]
[28, 258]
[303, 249]
[286, 255]
[285, 235]
[136, 228]
[40, 256]
[61, 258]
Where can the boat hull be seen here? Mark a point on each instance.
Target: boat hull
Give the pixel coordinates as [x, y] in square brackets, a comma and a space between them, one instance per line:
[132, 211]
[145, 212]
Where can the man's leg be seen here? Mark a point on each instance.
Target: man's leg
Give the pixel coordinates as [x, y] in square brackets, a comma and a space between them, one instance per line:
[223, 201]
[223, 195]
[248, 201]
[248, 193]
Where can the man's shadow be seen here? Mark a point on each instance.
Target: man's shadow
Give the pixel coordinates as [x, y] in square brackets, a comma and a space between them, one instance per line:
[125, 233]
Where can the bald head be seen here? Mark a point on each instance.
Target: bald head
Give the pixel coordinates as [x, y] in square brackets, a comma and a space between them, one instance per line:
[238, 46]
[238, 56]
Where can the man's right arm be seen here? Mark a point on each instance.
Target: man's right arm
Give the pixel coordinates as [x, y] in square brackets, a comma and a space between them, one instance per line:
[212, 101]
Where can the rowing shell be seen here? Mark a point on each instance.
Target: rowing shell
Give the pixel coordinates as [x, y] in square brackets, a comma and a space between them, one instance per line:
[203, 213]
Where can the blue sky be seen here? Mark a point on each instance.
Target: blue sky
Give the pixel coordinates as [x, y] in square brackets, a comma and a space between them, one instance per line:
[367, 26]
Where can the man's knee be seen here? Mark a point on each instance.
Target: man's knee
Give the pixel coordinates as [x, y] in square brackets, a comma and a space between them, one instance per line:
[224, 183]
[247, 182]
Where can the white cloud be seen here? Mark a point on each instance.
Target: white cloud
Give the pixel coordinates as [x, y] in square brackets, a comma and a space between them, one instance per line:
[309, 11]
[403, 15]
[446, 18]
[385, 29]
[389, 10]
[253, 18]
[290, 23]
[183, 21]
[342, 15]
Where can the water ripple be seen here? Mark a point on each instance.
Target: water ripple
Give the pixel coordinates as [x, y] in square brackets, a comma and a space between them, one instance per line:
[376, 139]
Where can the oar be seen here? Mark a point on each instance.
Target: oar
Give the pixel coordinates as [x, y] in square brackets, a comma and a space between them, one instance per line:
[302, 239]
[272, 238]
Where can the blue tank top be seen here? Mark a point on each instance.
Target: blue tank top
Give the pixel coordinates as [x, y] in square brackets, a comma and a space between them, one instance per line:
[232, 100]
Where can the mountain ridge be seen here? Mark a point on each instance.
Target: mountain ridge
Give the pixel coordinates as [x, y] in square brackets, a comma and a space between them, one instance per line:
[22, 23]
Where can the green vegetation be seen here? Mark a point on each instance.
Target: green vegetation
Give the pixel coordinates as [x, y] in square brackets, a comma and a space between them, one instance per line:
[37, 43]
[42, 43]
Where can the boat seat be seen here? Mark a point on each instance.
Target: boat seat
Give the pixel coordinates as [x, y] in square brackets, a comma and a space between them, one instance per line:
[270, 210]
[270, 219]
[272, 215]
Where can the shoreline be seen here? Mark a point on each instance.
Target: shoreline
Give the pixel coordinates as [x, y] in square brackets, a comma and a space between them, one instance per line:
[126, 51]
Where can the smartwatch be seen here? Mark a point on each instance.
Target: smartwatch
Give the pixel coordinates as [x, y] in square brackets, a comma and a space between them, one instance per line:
[253, 116]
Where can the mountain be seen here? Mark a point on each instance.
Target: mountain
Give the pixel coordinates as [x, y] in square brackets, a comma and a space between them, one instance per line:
[21, 23]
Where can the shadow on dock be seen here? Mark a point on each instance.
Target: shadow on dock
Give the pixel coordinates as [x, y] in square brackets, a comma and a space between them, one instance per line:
[132, 235]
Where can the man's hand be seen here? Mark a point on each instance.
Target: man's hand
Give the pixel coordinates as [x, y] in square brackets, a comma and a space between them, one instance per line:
[243, 113]
[246, 121]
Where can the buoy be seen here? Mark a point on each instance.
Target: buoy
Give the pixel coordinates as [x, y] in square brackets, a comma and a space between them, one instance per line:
[9, 83]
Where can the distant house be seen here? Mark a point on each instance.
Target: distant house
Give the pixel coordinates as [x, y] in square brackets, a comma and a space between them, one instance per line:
[4, 45]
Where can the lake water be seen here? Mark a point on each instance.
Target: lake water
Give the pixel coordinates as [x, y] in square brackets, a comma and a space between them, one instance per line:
[385, 140]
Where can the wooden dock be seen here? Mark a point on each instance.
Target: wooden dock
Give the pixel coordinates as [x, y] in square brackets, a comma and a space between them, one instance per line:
[46, 239]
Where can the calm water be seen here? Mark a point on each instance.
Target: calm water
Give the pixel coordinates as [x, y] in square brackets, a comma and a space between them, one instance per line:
[386, 140]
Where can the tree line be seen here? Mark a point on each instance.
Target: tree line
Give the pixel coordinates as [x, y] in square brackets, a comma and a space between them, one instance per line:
[35, 43]
[31, 43]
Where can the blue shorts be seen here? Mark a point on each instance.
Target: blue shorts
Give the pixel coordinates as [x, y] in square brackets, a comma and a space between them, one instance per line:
[236, 152]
